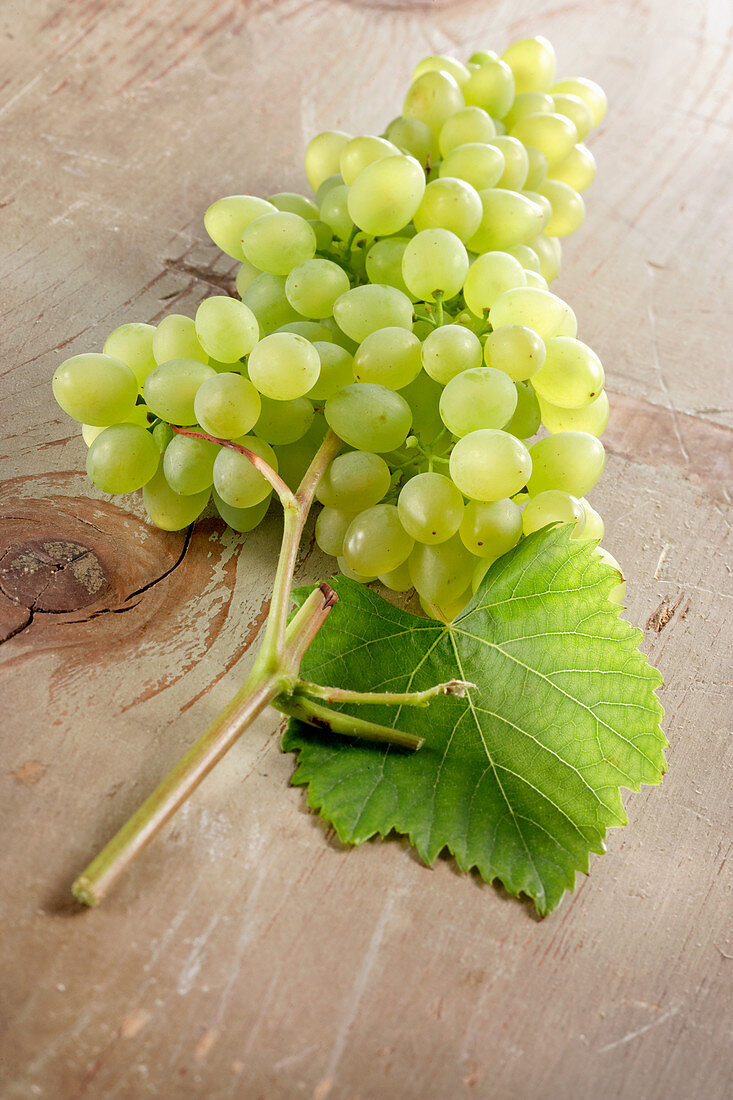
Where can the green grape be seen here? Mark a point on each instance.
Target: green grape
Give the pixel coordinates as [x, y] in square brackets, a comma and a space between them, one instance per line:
[516, 350]
[390, 357]
[435, 264]
[384, 197]
[376, 542]
[508, 218]
[450, 349]
[226, 405]
[364, 309]
[227, 329]
[188, 464]
[168, 510]
[246, 275]
[295, 458]
[236, 480]
[430, 508]
[347, 571]
[478, 398]
[441, 63]
[532, 61]
[336, 180]
[489, 276]
[397, 580]
[331, 527]
[592, 418]
[122, 458]
[491, 528]
[422, 327]
[572, 374]
[290, 202]
[544, 204]
[433, 97]
[384, 262]
[139, 416]
[593, 528]
[162, 434]
[241, 519]
[354, 481]
[175, 338]
[265, 297]
[337, 336]
[490, 464]
[284, 421]
[535, 279]
[528, 103]
[449, 610]
[578, 170]
[568, 208]
[337, 370]
[491, 86]
[549, 253]
[369, 417]
[441, 572]
[570, 461]
[450, 204]
[467, 124]
[226, 220]
[538, 168]
[170, 389]
[591, 93]
[310, 330]
[553, 506]
[334, 209]
[618, 592]
[538, 309]
[362, 151]
[579, 113]
[414, 137]
[423, 396]
[516, 162]
[480, 57]
[480, 572]
[526, 419]
[480, 165]
[283, 366]
[133, 344]
[554, 135]
[95, 389]
[323, 232]
[278, 242]
[313, 287]
[527, 258]
[323, 155]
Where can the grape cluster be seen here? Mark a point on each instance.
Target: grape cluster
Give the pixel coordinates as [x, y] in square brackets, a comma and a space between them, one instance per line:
[407, 308]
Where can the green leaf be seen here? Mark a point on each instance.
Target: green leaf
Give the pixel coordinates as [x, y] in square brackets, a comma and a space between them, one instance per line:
[521, 778]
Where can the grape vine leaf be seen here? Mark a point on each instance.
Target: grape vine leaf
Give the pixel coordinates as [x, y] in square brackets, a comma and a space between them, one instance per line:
[521, 778]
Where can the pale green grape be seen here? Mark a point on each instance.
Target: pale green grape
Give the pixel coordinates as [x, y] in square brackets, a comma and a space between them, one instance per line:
[538, 168]
[433, 97]
[516, 161]
[568, 208]
[139, 415]
[354, 481]
[226, 220]
[323, 155]
[491, 86]
[291, 202]
[384, 262]
[390, 357]
[188, 464]
[336, 180]
[450, 204]
[538, 309]
[480, 165]
[246, 275]
[323, 232]
[399, 579]
[526, 419]
[535, 279]
[168, 510]
[122, 458]
[593, 528]
[532, 61]
[170, 389]
[480, 572]
[467, 124]
[441, 572]
[508, 218]
[516, 350]
[592, 418]
[528, 103]
[362, 151]
[527, 258]
[283, 366]
[347, 571]
[489, 276]
[384, 197]
[334, 207]
[572, 374]
[591, 93]
[430, 508]
[480, 57]
[554, 135]
[295, 458]
[549, 253]
[226, 405]
[423, 396]
[241, 519]
[265, 297]
[443, 64]
[570, 461]
[491, 528]
[478, 398]
[579, 113]
[284, 421]
[133, 344]
[450, 349]
[227, 329]
[544, 204]
[314, 286]
[95, 389]
[376, 542]
[618, 592]
[435, 264]
[415, 138]
[578, 169]
[310, 330]
[331, 527]
[449, 610]
[175, 338]
[553, 506]
[364, 309]
[236, 480]
[490, 464]
[369, 417]
[278, 242]
[337, 335]
[337, 370]
[162, 433]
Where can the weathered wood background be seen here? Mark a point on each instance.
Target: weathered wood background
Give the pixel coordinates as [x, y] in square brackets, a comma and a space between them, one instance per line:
[247, 954]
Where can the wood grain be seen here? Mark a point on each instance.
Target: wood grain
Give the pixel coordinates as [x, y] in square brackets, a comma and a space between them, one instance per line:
[248, 955]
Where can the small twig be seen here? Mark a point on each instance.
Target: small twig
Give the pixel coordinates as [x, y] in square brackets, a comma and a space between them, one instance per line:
[283, 491]
[458, 688]
[313, 714]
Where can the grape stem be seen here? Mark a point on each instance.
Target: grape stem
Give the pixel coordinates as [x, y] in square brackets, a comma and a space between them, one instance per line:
[257, 461]
[391, 698]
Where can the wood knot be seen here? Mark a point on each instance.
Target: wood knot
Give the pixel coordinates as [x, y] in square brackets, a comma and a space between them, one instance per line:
[52, 575]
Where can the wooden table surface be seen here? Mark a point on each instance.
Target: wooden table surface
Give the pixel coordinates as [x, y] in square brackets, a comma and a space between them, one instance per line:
[247, 955]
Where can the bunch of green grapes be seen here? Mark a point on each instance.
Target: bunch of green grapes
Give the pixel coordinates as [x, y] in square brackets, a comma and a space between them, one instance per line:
[405, 306]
